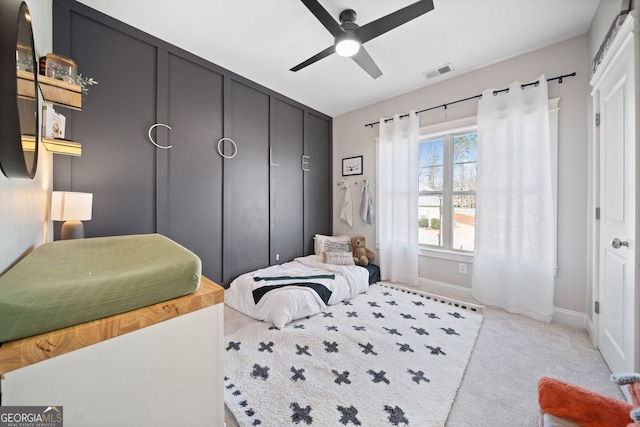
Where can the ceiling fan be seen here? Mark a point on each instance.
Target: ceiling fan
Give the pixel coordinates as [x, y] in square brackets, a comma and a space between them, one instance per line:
[349, 36]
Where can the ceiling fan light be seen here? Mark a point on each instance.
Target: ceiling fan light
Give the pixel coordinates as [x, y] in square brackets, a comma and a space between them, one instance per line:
[347, 45]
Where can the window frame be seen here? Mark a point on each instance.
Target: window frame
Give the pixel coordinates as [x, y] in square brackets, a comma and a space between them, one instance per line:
[447, 131]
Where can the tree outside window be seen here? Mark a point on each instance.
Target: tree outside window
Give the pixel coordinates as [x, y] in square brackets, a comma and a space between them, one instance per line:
[447, 185]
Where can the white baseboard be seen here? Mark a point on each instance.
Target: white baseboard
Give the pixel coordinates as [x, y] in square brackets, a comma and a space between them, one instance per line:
[570, 317]
[446, 290]
[448, 298]
[560, 315]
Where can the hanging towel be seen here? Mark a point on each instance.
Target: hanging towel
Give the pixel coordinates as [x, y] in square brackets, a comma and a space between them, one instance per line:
[367, 211]
[346, 213]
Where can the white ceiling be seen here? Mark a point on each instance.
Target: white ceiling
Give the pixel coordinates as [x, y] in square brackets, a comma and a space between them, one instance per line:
[262, 39]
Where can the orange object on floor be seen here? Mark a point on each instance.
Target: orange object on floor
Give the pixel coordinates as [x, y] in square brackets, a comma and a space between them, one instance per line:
[585, 407]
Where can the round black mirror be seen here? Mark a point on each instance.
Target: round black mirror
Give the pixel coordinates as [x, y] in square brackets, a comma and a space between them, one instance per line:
[19, 128]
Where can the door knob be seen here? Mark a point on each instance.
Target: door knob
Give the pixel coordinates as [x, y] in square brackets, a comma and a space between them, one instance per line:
[617, 243]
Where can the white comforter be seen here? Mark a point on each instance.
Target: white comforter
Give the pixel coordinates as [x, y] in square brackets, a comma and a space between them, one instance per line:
[283, 305]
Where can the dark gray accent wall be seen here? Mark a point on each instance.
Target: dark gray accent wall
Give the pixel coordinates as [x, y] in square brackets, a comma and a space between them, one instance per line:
[236, 214]
[194, 184]
[246, 182]
[287, 195]
[117, 163]
[318, 210]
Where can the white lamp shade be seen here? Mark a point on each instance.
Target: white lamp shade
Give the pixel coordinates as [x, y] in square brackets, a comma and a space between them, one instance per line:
[68, 206]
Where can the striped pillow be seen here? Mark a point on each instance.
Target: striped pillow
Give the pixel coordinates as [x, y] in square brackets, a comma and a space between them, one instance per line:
[320, 240]
[338, 258]
[337, 246]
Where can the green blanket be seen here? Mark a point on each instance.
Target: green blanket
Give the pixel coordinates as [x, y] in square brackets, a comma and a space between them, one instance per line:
[69, 282]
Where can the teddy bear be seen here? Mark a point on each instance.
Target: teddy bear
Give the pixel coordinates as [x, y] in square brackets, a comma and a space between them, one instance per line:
[361, 255]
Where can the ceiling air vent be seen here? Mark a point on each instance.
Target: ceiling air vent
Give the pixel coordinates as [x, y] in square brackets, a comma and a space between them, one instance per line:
[438, 71]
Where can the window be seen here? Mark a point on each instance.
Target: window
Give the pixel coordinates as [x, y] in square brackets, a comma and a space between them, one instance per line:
[447, 185]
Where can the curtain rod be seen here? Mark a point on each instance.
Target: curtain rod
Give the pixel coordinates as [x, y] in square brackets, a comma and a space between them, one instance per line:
[495, 92]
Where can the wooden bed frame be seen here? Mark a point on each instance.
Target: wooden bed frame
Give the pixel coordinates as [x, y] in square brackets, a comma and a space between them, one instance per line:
[157, 365]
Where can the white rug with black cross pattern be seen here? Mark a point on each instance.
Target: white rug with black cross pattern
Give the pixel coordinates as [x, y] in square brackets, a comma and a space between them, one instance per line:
[388, 357]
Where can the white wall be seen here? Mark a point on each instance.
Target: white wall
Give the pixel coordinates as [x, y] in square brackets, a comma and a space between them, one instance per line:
[351, 138]
[24, 202]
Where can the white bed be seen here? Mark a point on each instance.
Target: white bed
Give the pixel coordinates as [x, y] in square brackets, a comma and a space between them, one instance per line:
[296, 289]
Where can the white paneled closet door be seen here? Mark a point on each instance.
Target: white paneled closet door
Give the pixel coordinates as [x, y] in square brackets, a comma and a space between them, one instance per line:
[615, 94]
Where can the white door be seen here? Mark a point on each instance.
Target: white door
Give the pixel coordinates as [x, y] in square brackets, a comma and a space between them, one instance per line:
[618, 319]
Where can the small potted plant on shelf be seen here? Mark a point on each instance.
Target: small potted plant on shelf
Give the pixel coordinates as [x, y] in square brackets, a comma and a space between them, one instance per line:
[84, 82]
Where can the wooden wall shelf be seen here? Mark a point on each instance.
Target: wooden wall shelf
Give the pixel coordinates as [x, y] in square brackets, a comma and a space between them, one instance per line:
[56, 146]
[55, 91]
[59, 93]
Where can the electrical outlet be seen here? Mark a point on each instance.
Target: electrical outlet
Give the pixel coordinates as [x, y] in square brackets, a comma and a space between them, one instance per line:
[277, 257]
[462, 268]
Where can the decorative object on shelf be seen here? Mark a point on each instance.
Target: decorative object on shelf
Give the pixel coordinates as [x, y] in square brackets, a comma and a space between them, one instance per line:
[58, 67]
[72, 208]
[83, 82]
[57, 71]
[18, 99]
[53, 123]
[352, 166]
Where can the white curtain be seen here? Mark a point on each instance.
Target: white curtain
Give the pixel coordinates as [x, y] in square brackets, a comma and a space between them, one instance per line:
[398, 199]
[514, 262]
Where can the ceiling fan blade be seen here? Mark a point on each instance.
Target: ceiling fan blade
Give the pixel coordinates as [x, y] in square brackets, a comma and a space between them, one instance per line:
[380, 26]
[324, 17]
[365, 61]
[328, 51]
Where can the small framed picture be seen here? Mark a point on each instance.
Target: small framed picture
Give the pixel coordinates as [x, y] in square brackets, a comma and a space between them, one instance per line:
[352, 166]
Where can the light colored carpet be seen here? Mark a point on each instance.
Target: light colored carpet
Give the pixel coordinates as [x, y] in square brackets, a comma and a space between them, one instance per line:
[374, 360]
[511, 353]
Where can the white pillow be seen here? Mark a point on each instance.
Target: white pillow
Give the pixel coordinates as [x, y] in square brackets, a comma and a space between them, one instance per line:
[320, 240]
[338, 258]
